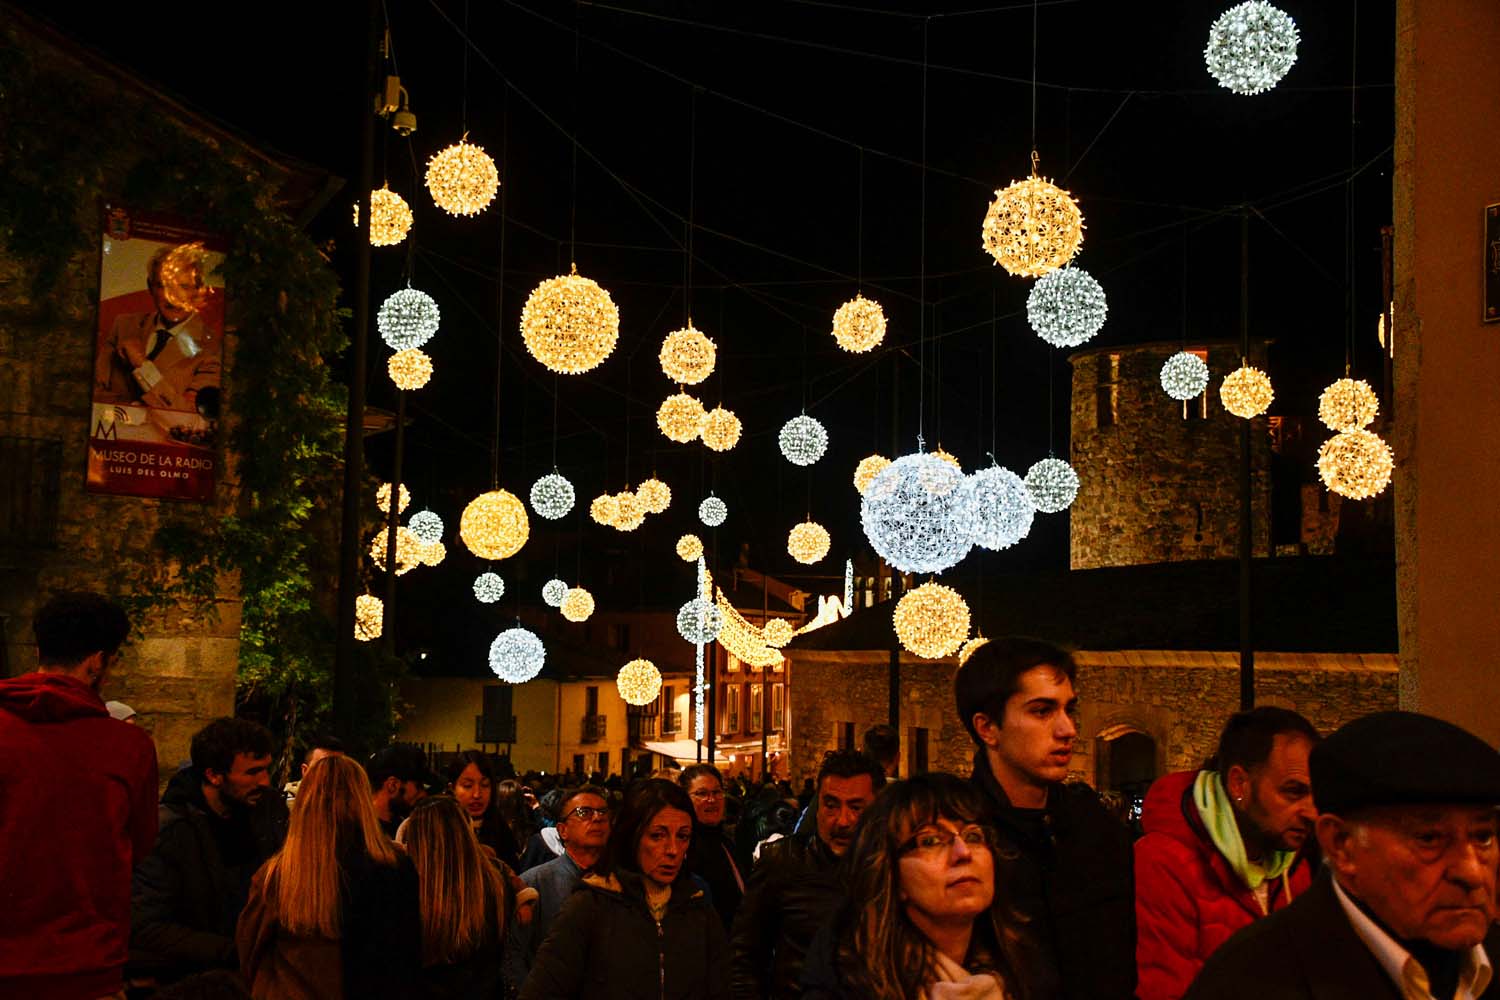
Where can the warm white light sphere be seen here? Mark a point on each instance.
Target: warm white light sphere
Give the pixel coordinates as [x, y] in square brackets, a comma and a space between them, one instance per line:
[552, 496]
[1001, 507]
[553, 592]
[427, 526]
[803, 440]
[489, 588]
[639, 682]
[712, 511]
[915, 515]
[1251, 47]
[517, 655]
[407, 318]
[1053, 485]
[699, 621]
[1184, 375]
[1066, 307]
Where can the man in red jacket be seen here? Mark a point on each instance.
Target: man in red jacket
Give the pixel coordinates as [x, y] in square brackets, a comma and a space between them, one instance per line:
[77, 810]
[1222, 847]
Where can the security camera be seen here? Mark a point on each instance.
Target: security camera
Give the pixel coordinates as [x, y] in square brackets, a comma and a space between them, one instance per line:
[404, 122]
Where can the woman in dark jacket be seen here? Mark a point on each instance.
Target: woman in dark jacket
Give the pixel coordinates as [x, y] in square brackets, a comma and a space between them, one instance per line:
[471, 782]
[642, 927]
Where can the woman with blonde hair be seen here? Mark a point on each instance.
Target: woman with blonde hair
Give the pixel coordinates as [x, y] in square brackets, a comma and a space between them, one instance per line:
[334, 913]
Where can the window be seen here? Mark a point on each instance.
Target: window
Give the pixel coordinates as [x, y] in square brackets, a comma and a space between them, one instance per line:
[732, 708]
[604, 762]
[778, 707]
[578, 764]
[1107, 390]
[844, 734]
[30, 485]
[757, 708]
[591, 701]
[496, 723]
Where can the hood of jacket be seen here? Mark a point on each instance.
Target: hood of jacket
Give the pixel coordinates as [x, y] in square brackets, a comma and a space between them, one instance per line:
[38, 697]
[1164, 811]
[184, 792]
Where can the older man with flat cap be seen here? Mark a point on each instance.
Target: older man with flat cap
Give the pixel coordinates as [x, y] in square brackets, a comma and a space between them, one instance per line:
[1407, 824]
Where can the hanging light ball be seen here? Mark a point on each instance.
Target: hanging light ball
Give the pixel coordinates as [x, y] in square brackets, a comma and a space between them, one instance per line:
[577, 605]
[570, 324]
[629, 512]
[1348, 405]
[808, 542]
[489, 588]
[369, 617]
[803, 440]
[680, 417]
[655, 496]
[687, 356]
[859, 324]
[915, 516]
[1053, 485]
[427, 526]
[932, 621]
[1184, 375]
[1246, 392]
[462, 178]
[941, 455]
[1066, 307]
[721, 429]
[553, 592]
[390, 217]
[407, 318]
[517, 655]
[1251, 47]
[1001, 507]
[494, 525]
[431, 553]
[967, 649]
[639, 682]
[712, 511]
[383, 498]
[604, 510]
[408, 550]
[409, 369]
[552, 496]
[778, 632]
[1355, 463]
[1032, 227]
[867, 469]
[689, 548]
[699, 621]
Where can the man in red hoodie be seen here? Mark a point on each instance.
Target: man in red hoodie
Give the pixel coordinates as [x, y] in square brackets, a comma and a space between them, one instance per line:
[1222, 847]
[77, 810]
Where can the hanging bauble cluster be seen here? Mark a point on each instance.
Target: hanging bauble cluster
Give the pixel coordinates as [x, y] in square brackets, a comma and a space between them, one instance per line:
[655, 496]
[552, 496]
[517, 655]
[462, 178]
[432, 553]
[1032, 227]
[1066, 307]
[932, 621]
[409, 369]
[390, 217]
[1184, 375]
[577, 605]
[712, 511]
[570, 324]
[427, 526]
[808, 542]
[1355, 463]
[630, 513]
[605, 510]
[383, 498]
[721, 429]
[778, 632]
[639, 682]
[488, 588]
[859, 324]
[687, 356]
[1348, 404]
[867, 469]
[1001, 507]
[1246, 392]
[1251, 47]
[1053, 485]
[553, 592]
[680, 417]
[699, 621]
[369, 617]
[407, 318]
[803, 440]
[408, 550]
[689, 548]
[494, 525]
[967, 649]
[915, 517]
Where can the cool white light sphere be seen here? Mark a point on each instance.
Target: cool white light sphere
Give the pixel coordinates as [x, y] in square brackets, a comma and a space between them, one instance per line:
[427, 526]
[803, 440]
[408, 318]
[489, 588]
[552, 496]
[1251, 47]
[1001, 507]
[1066, 307]
[1053, 485]
[699, 621]
[553, 592]
[517, 655]
[915, 515]
[712, 511]
[1184, 375]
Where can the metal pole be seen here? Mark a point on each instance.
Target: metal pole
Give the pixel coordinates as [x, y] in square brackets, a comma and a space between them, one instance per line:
[392, 524]
[765, 693]
[893, 676]
[1247, 647]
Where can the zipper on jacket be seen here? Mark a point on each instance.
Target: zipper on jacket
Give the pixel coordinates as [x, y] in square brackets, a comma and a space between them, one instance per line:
[661, 960]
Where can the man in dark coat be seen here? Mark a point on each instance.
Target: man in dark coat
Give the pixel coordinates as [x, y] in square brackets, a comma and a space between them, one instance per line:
[1062, 861]
[711, 856]
[1404, 911]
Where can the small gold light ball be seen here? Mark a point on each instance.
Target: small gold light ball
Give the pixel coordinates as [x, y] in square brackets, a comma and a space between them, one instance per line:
[604, 510]
[369, 617]
[577, 605]
[570, 324]
[867, 470]
[721, 429]
[1356, 464]
[383, 498]
[680, 417]
[409, 369]
[778, 632]
[432, 553]
[859, 324]
[1348, 405]
[932, 621]
[944, 456]
[655, 496]
[494, 525]
[639, 682]
[390, 217]
[689, 548]
[629, 511]
[408, 550]
[462, 179]
[1246, 392]
[967, 649]
[687, 356]
[1032, 227]
[808, 542]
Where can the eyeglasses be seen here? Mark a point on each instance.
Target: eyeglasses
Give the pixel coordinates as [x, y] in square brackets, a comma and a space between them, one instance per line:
[704, 794]
[587, 813]
[934, 843]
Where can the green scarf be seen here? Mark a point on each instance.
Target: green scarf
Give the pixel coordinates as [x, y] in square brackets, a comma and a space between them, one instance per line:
[1214, 808]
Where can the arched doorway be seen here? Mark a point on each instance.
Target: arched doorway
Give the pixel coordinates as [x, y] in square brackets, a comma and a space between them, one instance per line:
[1127, 764]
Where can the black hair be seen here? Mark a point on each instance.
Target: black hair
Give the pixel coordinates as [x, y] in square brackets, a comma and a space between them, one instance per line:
[882, 742]
[851, 764]
[328, 744]
[992, 674]
[642, 802]
[1248, 736]
[685, 779]
[218, 743]
[74, 624]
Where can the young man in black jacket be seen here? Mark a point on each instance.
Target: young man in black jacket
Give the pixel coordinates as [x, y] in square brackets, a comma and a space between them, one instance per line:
[1063, 862]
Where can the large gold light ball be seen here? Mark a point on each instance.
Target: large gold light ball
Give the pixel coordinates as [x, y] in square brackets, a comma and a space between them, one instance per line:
[577, 605]
[778, 632]
[369, 617]
[629, 511]
[687, 356]
[859, 324]
[689, 548]
[639, 682]
[721, 429]
[462, 179]
[390, 217]
[1348, 404]
[570, 324]
[494, 525]
[1355, 464]
[409, 369]
[867, 470]
[383, 498]
[1032, 227]
[808, 542]
[932, 621]
[655, 496]
[408, 550]
[1246, 392]
[604, 510]
[680, 417]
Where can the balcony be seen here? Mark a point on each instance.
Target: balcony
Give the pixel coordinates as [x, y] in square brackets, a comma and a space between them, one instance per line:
[593, 728]
[671, 722]
[494, 729]
[642, 728]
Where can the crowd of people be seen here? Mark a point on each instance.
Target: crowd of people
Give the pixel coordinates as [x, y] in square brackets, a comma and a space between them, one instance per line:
[1361, 864]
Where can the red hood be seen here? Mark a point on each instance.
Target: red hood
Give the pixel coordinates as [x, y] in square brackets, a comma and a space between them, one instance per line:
[49, 698]
[1162, 811]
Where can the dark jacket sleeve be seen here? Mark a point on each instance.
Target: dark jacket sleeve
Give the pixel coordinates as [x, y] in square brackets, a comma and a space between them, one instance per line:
[754, 935]
[143, 817]
[156, 889]
[559, 966]
[718, 960]
[382, 933]
[820, 978]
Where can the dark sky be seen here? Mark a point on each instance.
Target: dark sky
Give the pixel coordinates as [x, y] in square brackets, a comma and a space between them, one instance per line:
[784, 93]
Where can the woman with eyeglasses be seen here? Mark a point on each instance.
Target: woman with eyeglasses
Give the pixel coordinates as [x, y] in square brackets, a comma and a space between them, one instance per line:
[922, 918]
[640, 924]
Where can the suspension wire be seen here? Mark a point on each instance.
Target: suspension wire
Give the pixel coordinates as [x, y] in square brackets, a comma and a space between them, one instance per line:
[1033, 75]
[554, 422]
[1051, 396]
[994, 374]
[922, 266]
[859, 240]
[573, 194]
[463, 114]
[687, 248]
[500, 299]
[1349, 300]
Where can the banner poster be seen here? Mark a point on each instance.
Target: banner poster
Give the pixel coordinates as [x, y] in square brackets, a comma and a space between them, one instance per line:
[157, 359]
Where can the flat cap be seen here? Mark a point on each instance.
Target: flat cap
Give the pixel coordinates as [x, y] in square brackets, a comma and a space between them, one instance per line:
[1403, 758]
